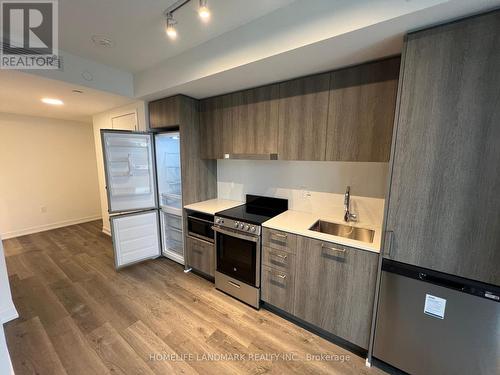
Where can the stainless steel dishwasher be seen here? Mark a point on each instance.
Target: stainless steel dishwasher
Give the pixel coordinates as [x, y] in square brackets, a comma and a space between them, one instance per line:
[433, 323]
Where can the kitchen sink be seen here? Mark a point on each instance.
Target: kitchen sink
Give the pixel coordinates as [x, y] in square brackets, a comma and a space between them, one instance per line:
[346, 231]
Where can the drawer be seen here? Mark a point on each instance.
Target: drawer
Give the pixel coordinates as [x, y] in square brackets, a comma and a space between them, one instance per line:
[279, 240]
[278, 259]
[201, 255]
[277, 288]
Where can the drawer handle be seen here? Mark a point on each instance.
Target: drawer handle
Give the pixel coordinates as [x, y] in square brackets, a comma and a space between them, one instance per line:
[280, 275]
[234, 284]
[339, 250]
[279, 235]
[278, 255]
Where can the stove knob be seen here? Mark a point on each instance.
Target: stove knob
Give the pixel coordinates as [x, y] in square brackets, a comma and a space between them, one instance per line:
[236, 224]
[242, 226]
[247, 227]
[252, 229]
[217, 221]
[222, 221]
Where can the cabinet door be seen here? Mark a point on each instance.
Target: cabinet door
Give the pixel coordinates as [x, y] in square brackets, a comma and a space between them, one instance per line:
[215, 132]
[361, 112]
[165, 113]
[335, 287]
[303, 113]
[201, 255]
[277, 288]
[254, 118]
[444, 200]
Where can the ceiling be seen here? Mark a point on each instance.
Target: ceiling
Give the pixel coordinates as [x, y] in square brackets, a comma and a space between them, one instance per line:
[137, 28]
[20, 93]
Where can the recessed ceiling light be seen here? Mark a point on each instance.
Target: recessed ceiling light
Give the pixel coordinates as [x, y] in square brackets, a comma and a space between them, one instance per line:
[52, 101]
[103, 41]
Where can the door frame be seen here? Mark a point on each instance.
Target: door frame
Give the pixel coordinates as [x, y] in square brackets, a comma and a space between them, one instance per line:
[153, 160]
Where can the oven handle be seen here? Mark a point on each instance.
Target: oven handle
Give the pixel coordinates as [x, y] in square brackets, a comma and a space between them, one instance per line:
[235, 234]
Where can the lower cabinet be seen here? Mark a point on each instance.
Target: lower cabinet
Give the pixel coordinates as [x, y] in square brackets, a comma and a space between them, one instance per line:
[278, 288]
[200, 255]
[335, 287]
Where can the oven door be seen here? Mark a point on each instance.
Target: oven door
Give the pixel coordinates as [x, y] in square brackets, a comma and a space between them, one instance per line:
[238, 255]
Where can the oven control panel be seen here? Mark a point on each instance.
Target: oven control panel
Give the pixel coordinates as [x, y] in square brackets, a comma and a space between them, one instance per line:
[237, 225]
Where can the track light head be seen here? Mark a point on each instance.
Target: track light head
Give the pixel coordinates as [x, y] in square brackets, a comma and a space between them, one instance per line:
[203, 10]
[170, 26]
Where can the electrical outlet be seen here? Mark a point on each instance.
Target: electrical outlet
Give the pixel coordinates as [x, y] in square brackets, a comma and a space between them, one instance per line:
[43, 209]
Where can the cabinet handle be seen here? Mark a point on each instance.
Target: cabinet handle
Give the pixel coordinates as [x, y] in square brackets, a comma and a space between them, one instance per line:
[279, 236]
[389, 249]
[280, 275]
[278, 255]
[339, 250]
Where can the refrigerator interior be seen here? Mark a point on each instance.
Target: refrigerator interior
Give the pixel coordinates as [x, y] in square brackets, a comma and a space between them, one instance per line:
[130, 171]
[168, 163]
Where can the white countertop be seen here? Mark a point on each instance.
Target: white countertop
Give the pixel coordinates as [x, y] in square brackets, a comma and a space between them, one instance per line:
[297, 222]
[213, 205]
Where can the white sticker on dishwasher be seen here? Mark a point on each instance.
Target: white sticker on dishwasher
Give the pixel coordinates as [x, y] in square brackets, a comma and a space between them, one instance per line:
[434, 306]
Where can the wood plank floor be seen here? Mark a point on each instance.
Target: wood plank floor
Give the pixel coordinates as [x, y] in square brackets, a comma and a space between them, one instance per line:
[80, 316]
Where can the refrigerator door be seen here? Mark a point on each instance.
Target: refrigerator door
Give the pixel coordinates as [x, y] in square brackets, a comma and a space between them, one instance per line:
[130, 170]
[136, 237]
[168, 161]
[432, 327]
[172, 236]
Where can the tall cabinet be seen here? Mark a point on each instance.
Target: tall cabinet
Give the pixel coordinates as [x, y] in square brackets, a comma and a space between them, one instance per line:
[444, 201]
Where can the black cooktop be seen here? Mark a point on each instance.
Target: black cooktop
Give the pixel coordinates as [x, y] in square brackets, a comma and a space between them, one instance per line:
[256, 210]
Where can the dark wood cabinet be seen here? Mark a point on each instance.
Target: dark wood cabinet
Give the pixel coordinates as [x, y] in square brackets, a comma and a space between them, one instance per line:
[444, 203]
[335, 288]
[201, 255]
[215, 127]
[303, 117]
[165, 113]
[361, 111]
[253, 115]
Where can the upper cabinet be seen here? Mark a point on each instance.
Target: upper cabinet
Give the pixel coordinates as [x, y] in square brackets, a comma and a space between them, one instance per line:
[165, 113]
[443, 208]
[303, 115]
[216, 136]
[253, 115]
[346, 115]
[361, 111]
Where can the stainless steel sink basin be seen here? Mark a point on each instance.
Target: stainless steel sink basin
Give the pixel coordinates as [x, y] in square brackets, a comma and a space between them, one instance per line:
[346, 231]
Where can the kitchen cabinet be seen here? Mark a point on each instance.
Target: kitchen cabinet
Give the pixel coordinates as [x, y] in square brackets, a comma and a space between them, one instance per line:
[165, 113]
[253, 115]
[335, 288]
[201, 255]
[303, 115]
[278, 269]
[216, 135]
[443, 208]
[361, 111]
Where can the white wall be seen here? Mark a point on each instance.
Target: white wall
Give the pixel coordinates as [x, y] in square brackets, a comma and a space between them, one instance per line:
[309, 186]
[46, 165]
[7, 313]
[103, 121]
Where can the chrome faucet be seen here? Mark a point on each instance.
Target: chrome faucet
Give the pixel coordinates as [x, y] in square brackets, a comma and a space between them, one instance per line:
[348, 215]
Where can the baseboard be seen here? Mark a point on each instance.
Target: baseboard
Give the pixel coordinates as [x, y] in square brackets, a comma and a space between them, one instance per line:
[43, 228]
[106, 231]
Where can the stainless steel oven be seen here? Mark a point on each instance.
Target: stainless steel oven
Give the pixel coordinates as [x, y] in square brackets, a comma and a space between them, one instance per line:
[238, 252]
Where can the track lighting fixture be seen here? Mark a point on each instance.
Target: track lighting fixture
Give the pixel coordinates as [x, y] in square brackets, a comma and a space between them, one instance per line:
[203, 10]
[170, 26]
[170, 29]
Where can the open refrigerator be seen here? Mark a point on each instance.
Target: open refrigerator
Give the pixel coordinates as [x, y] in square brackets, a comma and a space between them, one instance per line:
[143, 183]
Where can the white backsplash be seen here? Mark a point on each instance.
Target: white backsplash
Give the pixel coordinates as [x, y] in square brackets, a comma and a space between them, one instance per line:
[316, 187]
